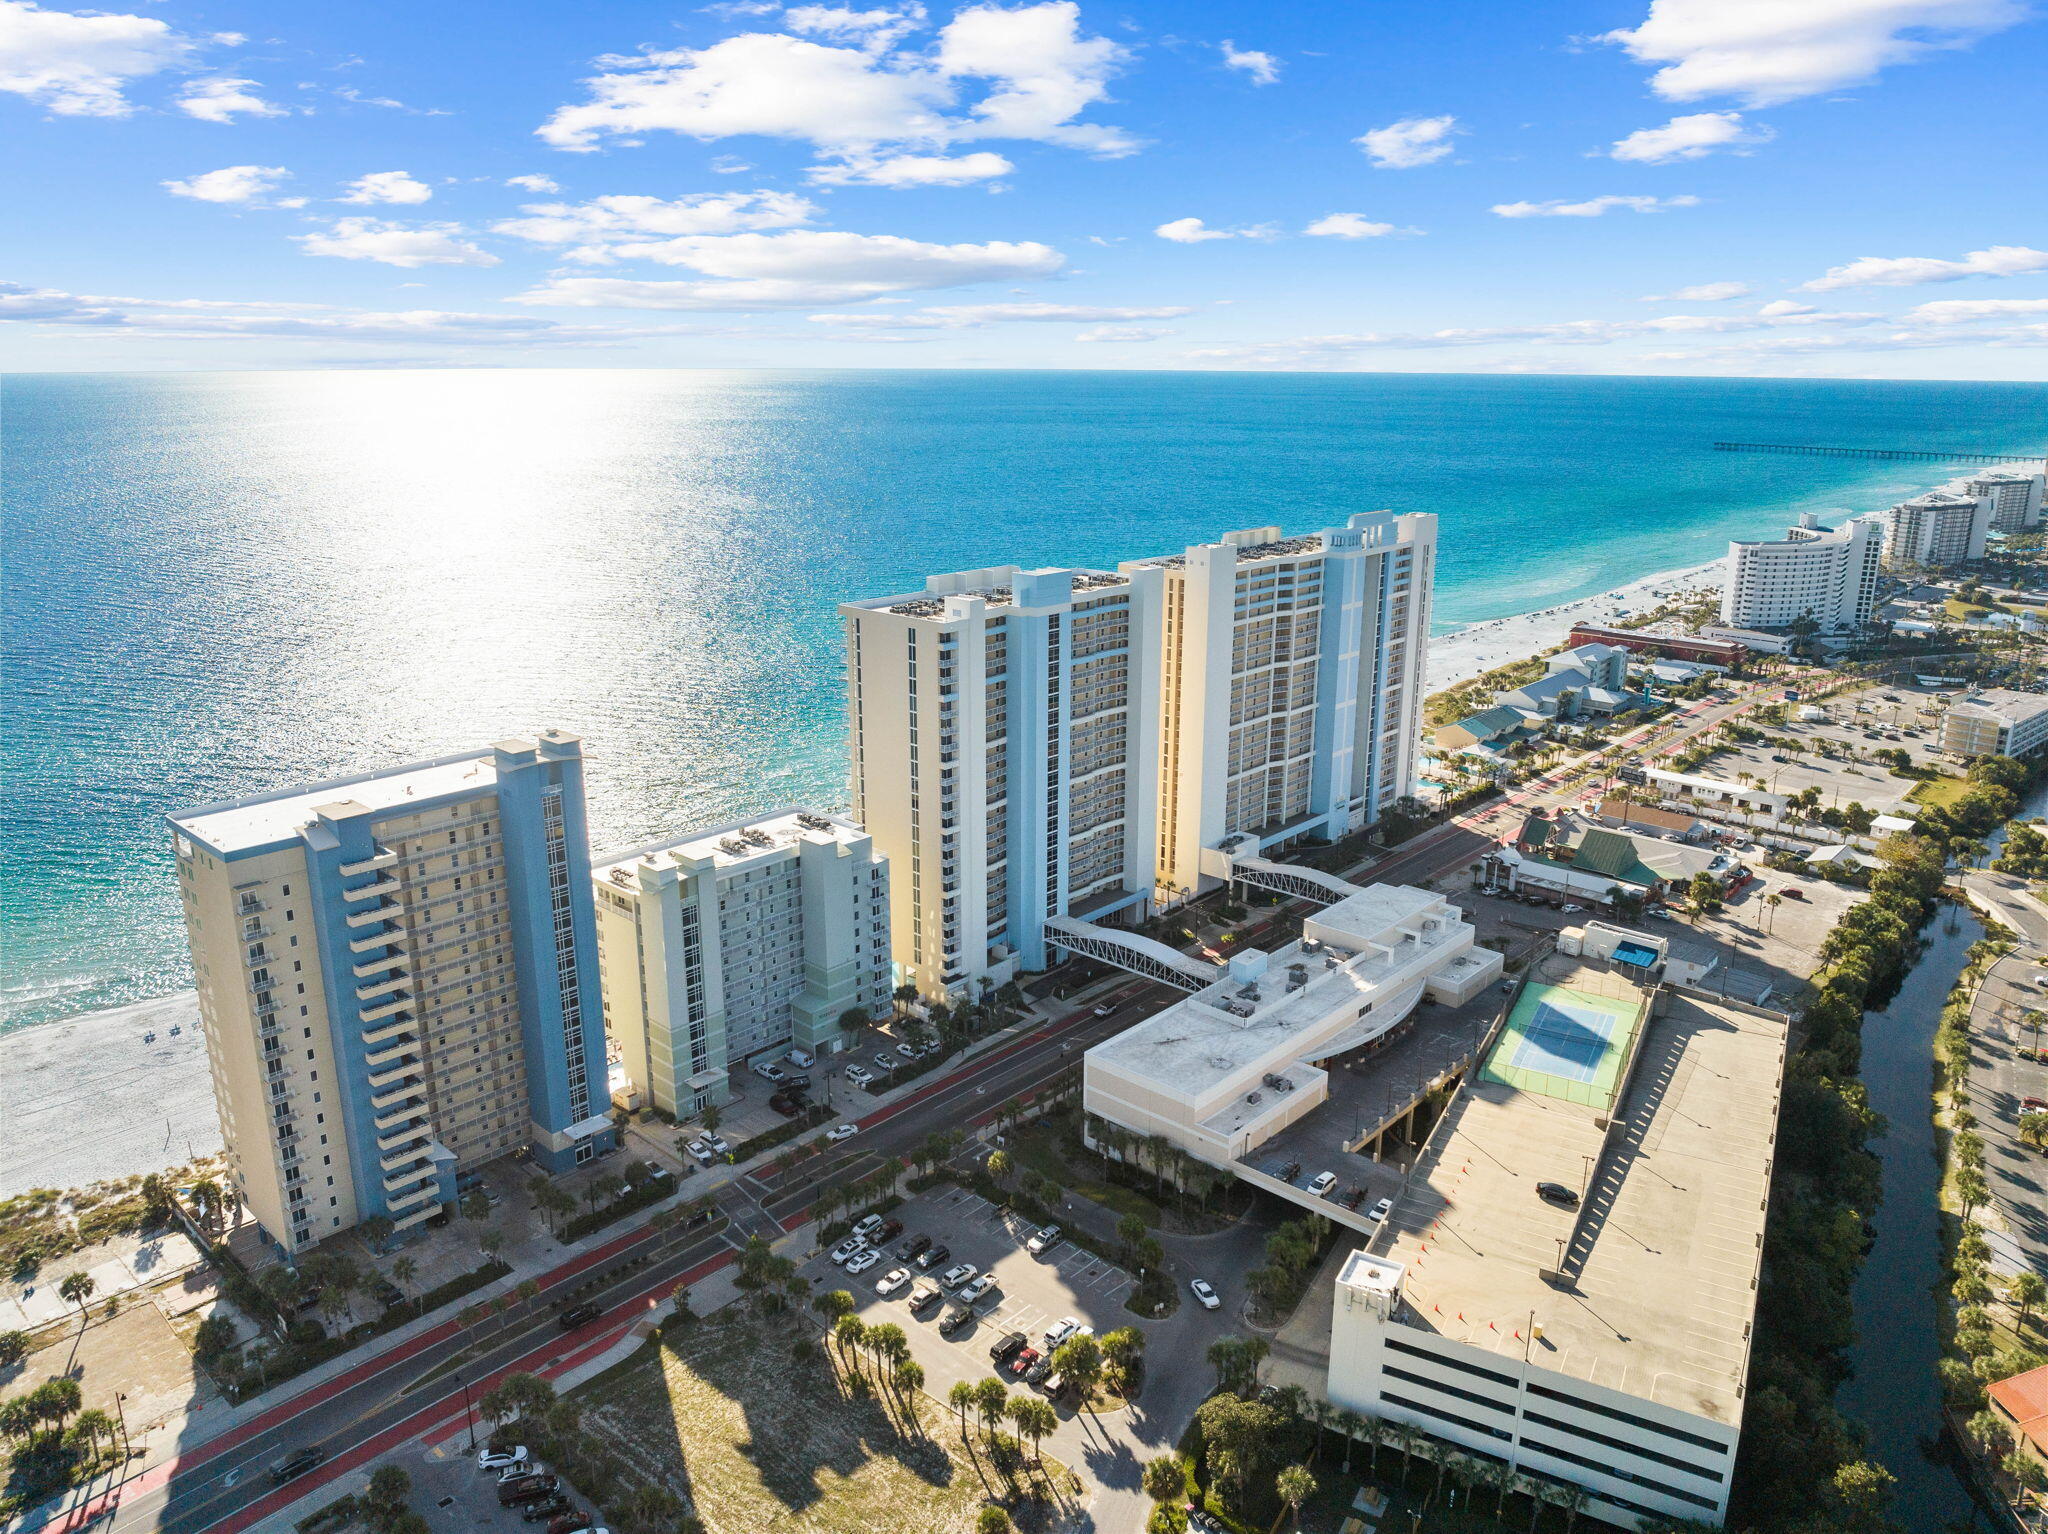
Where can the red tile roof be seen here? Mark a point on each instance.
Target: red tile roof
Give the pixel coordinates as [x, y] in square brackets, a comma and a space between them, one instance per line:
[2024, 1398]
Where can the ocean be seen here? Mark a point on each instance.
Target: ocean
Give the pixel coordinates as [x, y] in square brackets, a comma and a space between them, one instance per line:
[222, 583]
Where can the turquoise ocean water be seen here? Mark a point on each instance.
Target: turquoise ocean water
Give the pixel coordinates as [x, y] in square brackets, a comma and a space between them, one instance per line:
[221, 583]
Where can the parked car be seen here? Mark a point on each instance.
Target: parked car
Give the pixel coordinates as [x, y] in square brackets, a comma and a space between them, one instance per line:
[1060, 1331]
[846, 1249]
[1380, 1211]
[2034, 1104]
[840, 1132]
[891, 1281]
[701, 1149]
[786, 1104]
[866, 1226]
[719, 1143]
[1104, 1010]
[572, 1523]
[908, 1050]
[859, 1075]
[956, 1316]
[910, 1249]
[501, 1459]
[553, 1505]
[533, 1488]
[1557, 1193]
[1020, 1362]
[1206, 1297]
[923, 1297]
[1042, 1238]
[932, 1256]
[768, 1070]
[802, 1059]
[884, 1061]
[1322, 1183]
[972, 1294]
[578, 1315]
[862, 1260]
[1005, 1345]
[296, 1465]
[960, 1273]
[1793, 892]
[1041, 1366]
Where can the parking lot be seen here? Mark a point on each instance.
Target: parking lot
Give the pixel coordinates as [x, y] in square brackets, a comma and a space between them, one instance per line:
[1032, 1293]
[454, 1496]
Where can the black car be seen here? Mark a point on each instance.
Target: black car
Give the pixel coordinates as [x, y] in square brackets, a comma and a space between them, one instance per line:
[296, 1465]
[932, 1256]
[386, 1293]
[1006, 1345]
[912, 1247]
[552, 1504]
[956, 1316]
[577, 1315]
[1557, 1193]
[529, 1488]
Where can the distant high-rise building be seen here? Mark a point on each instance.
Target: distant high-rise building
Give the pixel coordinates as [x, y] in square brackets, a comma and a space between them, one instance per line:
[1826, 574]
[733, 945]
[398, 979]
[2015, 499]
[1291, 685]
[1004, 747]
[1935, 530]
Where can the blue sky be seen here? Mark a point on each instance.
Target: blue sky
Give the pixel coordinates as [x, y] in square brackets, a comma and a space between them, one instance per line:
[1755, 187]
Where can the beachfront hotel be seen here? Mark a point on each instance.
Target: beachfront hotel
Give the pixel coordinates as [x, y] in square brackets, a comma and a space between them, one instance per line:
[731, 946]
[2015, 498]
[1004, 728]
[1826, 574]
[1291, 686]
[1598, 1338]
[1935, 530]
[1044, 752]
[397, 976]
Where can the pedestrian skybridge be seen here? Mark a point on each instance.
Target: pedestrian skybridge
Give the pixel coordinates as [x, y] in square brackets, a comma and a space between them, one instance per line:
[1236, 858]
[1132, 951]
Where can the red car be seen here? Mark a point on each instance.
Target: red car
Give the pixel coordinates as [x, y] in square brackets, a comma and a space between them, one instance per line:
[1021, 1360]
[2034, 1104]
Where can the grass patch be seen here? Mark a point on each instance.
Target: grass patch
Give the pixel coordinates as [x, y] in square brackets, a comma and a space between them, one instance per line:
[759, 1441]
[1939, 793]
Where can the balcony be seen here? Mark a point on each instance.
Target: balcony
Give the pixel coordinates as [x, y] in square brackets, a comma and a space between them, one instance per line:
[384, 886]
[389, 910]
[422, 1173]
[369, 864]
[398, 1070]
[254, 932]
[422, 1194]
[389, 1009]
[406, 1118]
[391, 939]
[256, 956]
[376, 988]
[394, 1030]
[377, 966]
[405, 1094]
[396, 1052]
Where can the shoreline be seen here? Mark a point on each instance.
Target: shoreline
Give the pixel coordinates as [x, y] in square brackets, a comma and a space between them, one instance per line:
[1477, 648]
[150, 1106]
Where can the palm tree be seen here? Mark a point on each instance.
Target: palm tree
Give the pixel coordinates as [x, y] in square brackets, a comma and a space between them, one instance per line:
[1464, 1471]
[1350, 1423]
[1165, 1479]
[1034, 1418]
[76, 1289]
[403, 1272]
[1573, 1501]
[993, 1400]
[1295, 1486]
[960, 1397]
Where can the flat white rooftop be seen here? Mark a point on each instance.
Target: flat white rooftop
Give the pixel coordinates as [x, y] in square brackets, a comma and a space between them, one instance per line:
[1356, 948]
[740, 842]
[262, 821]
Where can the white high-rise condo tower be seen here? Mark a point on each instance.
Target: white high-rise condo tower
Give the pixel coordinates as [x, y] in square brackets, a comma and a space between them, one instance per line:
[1004, 744]
[2015, 498]
[1935, 530]
[1826, 574]
[1291, 686]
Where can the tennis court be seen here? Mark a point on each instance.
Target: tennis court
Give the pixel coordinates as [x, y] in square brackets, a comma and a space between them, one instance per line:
[1566, 1043]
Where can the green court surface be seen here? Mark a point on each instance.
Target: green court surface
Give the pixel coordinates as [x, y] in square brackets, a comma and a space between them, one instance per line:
[1565, 1043]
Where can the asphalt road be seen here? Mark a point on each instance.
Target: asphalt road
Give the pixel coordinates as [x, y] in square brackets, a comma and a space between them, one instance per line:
[2001, 1082]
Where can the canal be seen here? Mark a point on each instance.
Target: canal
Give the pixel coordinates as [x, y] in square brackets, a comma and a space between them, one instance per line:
[1895, 1392]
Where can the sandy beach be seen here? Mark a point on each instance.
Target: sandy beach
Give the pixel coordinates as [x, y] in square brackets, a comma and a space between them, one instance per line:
[1460, 656]
[86, 1099]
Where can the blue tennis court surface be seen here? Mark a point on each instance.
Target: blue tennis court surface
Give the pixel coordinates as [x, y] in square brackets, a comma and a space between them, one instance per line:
[1562, 1039]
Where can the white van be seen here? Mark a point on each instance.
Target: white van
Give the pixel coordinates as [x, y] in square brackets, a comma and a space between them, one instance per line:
[802, 1059]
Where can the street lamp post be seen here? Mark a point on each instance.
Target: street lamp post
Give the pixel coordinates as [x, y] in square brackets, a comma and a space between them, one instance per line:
[468, 1412]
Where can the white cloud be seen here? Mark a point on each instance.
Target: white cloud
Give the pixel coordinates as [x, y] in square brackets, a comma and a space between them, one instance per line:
[1192, 231]
[395, 186]
[728, 165]
[799, 267]
[77, 64]
[228, 320]
[1592, 207]
[1262, 67]
[1410, 142]
[856, 102]
[219, 99]
[250, 184]
[408, 245]
[902, 171]
[973, 316]
[1348, 226]
[1123, 333]
[1699, 293]
[596, 229]
[1689, 138]
[1960, 311]
[534, 183]
[1783, 306]
[876, 29]
[1772, 51]
[1907, 271]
